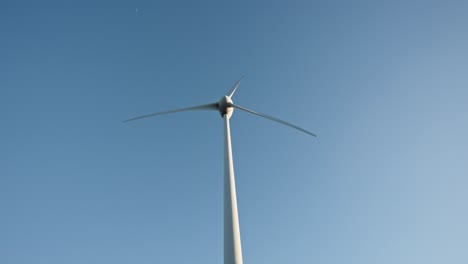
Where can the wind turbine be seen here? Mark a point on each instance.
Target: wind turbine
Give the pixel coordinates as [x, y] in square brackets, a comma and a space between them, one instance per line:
[225, 106]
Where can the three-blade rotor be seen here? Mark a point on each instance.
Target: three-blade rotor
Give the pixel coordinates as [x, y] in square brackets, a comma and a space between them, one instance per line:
[223, 106]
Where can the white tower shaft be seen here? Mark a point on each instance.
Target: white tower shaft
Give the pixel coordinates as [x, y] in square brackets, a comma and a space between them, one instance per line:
[232, 241]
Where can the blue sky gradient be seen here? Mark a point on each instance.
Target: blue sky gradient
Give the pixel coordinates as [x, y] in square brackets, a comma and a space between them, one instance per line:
[382, 83]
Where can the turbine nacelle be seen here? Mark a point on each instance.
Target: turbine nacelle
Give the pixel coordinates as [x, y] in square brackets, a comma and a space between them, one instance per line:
[225, 106]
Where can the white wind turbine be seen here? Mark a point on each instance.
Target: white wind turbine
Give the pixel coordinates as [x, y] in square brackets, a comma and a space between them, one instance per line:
[232, 241]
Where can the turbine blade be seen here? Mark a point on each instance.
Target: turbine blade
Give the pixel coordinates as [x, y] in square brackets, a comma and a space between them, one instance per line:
[213, 106]
[273, 119]
[233, 89]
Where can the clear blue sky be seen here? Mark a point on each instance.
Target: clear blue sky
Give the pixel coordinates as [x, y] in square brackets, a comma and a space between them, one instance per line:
[383, 83]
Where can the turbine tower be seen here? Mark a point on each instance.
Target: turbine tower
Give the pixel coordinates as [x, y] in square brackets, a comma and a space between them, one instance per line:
[225, 106]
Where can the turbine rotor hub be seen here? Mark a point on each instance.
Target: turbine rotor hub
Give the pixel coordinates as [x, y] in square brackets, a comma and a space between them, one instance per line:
[225, 106]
